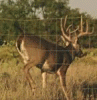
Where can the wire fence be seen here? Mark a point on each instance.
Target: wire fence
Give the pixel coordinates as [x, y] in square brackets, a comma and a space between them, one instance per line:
[46, 28]
[49, 29]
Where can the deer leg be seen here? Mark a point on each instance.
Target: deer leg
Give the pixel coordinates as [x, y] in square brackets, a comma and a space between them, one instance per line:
[27, 68]
[62, 75]
[44, 81]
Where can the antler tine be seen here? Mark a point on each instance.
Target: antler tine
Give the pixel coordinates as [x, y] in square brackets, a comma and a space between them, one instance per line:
[68, 28]
[63, 33]
[92, 31]
[75, 30]
[65, 21]
[62, 38]
[87, 28]
[81, 24]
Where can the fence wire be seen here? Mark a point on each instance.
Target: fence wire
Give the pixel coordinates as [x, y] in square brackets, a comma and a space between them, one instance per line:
[49, 29]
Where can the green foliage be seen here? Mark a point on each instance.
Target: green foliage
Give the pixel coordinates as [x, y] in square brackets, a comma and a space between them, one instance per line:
[8, 53]
[28, 13]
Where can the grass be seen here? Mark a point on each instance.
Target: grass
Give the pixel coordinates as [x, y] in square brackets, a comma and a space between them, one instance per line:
[81, 78]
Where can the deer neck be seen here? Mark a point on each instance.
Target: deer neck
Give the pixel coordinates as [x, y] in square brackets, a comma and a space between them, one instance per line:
[71, 51]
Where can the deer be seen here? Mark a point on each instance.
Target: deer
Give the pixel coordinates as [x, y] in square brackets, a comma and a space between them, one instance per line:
[50, 57]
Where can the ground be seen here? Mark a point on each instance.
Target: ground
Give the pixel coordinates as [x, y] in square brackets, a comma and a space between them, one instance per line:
[81, 78]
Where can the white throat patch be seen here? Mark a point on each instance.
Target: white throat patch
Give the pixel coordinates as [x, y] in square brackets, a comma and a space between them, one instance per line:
[23, 52]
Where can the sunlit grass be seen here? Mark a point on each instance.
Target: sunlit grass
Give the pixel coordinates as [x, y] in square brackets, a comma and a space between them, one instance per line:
[81, 74]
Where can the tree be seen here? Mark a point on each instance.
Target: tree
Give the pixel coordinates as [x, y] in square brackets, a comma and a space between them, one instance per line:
[30, 12]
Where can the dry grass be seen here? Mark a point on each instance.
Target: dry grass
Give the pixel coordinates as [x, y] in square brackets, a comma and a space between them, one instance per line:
[81, 79]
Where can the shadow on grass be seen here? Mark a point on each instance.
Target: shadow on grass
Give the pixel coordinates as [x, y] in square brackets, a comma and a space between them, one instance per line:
[89, 91]
[85, 91]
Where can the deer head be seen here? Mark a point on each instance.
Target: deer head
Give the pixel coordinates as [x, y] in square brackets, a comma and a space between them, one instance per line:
[71, 37]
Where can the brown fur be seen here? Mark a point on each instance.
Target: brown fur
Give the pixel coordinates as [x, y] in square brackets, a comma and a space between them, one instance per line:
[47, 56]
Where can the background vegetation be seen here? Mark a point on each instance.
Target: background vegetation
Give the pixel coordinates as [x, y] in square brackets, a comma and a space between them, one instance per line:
[40, 17]
[81, 78]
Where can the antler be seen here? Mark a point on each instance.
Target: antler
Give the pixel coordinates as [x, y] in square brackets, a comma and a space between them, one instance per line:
[82, 33]
[67, 31]
[64, 33]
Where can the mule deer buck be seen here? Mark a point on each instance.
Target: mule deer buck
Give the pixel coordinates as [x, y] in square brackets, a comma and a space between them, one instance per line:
[49, 57]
